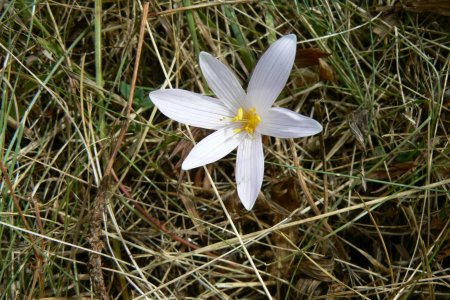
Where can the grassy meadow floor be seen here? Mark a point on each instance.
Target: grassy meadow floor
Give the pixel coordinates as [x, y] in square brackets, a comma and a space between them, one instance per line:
[93, 201]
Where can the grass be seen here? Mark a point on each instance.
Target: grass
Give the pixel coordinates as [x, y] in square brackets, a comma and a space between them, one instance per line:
[361, 211]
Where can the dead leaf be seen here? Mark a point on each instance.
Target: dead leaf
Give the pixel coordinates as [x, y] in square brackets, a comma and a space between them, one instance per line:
[193, 213]
[307, 77]
[184, 146]
[285, 199]
[326, 72]
[306, 288]
[309, 57]
[389, 22]
[319, 268]
[395, 170]
[440, 7]
[359, 123]
[285, 194]
[443, 254]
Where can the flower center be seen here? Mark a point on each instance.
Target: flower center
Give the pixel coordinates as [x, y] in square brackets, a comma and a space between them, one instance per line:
[249, 120]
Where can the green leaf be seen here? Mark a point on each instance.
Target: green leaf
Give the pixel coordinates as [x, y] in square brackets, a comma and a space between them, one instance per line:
[140, 99]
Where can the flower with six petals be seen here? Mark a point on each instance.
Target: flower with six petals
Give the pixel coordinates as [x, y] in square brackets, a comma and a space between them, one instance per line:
[240, 118]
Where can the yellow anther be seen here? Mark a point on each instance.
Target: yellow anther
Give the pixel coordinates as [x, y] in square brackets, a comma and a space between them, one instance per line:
[240, 115]
[249, 120]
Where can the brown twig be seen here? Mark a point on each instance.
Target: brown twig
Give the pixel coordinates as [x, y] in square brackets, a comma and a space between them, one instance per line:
[104, 192]
[324, 156]
[342, 253]
[151, 219]
[37, 254]
[161, 226]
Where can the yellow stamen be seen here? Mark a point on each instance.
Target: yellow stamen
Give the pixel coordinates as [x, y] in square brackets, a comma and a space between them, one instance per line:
[249, 120]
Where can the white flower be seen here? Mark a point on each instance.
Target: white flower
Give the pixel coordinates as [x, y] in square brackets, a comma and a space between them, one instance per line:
[240, 118]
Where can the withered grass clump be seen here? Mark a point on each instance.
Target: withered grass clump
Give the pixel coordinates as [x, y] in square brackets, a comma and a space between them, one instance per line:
[361, 211]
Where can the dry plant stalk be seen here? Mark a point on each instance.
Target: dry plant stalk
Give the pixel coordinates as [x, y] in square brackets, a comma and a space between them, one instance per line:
[104, 192]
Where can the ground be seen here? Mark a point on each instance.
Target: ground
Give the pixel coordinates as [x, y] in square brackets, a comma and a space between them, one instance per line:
[94, 204]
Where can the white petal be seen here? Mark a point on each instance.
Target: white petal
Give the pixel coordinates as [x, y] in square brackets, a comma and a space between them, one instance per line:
[212, 148]
[191, 108]
[271, 73]
[285, 123]
[249, 169]
[222, 81]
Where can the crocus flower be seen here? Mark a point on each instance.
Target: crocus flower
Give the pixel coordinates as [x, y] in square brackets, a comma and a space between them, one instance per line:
[240, 118]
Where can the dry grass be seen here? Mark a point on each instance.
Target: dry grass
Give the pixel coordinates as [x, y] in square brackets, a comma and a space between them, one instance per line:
[378, 176]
